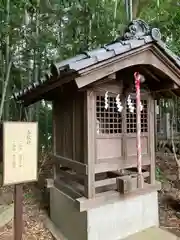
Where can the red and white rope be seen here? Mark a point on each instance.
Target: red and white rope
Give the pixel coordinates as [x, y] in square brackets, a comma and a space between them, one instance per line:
[138, 123]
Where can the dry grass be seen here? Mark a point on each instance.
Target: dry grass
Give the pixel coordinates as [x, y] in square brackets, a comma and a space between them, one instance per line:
[34, 206]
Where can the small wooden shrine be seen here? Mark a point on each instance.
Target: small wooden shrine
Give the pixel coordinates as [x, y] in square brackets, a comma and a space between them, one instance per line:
[95, 193]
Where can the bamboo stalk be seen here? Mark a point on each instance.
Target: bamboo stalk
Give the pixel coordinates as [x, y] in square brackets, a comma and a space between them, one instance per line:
[115, 16]
[5, 104]
[5, 88]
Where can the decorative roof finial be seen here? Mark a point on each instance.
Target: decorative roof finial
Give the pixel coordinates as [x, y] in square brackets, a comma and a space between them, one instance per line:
[138, 29]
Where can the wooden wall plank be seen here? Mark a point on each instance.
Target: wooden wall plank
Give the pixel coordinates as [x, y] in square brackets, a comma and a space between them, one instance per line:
[69, 119]
[79, 126]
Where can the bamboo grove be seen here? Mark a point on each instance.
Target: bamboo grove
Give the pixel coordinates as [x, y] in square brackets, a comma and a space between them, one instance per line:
[34, 33]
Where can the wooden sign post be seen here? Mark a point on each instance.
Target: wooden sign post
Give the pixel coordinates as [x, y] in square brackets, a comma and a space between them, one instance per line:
[20, 143]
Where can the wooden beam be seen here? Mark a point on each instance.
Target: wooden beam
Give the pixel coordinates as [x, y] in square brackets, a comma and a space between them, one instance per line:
[143, 56]
[112, 76]
[111, 181]
[113, 59]
[145, 174]
[172, 93]
[67, 189]
[108, 166]
[105, 182]
[108, 68]
[70, 176]
[84, 204]
[176, 92]
[166, 60]
[151, 74]
[66, 162]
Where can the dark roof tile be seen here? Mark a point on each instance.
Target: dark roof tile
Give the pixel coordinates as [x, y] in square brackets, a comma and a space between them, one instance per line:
[135, 43]
[118, 48]
[70, 60]
[101, 54]
[78, 65]
[137, 34]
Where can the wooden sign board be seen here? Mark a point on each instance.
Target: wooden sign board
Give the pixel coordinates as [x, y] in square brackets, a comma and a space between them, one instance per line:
[19, 152]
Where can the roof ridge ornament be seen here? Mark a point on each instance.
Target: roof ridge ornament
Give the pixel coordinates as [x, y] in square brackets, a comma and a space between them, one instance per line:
[138, 29]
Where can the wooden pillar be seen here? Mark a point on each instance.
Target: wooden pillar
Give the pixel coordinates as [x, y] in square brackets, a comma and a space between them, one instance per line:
[54, 139]
[90, 137]
[124, 130]
[156, 112]
[152, 140]
[18, 211]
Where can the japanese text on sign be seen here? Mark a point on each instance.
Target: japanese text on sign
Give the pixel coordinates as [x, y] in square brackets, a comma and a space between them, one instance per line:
[20, 152]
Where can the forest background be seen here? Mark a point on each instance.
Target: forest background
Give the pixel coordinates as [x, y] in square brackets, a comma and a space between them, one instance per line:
[34, 33]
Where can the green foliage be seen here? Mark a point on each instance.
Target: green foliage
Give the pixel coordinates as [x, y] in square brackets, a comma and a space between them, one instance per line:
[35, 32]
[159, 175]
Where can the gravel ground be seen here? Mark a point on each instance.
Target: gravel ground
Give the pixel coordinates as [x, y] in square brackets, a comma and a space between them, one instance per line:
[169, 196]
[34, 212]
[33, 217]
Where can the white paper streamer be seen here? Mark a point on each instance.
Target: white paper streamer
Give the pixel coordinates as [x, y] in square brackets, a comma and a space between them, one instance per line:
[106, 101]
[118, 103]
[130, 104]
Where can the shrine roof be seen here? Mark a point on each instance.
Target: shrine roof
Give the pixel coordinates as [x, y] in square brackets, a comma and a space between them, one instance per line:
[137, 35]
